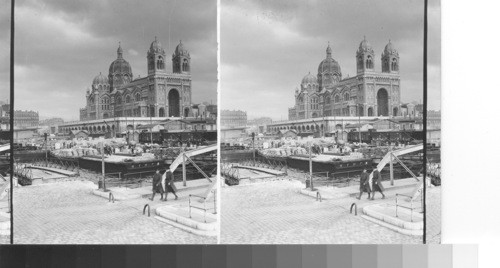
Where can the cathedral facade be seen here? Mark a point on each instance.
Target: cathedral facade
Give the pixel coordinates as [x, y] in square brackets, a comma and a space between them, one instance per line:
[369, 93]
[159, 94]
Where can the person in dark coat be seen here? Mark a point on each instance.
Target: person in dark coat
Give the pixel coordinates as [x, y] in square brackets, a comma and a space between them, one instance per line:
[157, 188]
[169, 184]
[364, 184]
[377, 184]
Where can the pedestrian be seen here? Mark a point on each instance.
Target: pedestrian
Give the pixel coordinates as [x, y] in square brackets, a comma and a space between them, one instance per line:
[377, 184]
[363, 184]
[157, 187]
[169, 184]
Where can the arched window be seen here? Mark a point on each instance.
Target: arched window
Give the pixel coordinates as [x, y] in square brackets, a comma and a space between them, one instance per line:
[369, 62]
[137, 97]
[159, 63]
[337, 98]
[118, 100]
[127, 99]
[346, 96]
[394, 66]
[327, 100]
[185, 66]
[370, 111]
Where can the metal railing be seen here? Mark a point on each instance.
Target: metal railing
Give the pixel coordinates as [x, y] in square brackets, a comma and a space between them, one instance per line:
[263, 162]
[411, 207]
[144, 210]
[204, 208]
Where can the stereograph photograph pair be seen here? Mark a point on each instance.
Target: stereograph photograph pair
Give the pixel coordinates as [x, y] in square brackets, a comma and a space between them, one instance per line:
[293, 122]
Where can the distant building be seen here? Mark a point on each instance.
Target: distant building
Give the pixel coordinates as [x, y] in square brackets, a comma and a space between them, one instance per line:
[258, 125]
[5, 110]
[26, 119]
[370, 93]
[433, 119]
[419, 110]
[159, 94]
[260, 121]
[231, 119]
[204, 110]
[52, 122]
[212, 109]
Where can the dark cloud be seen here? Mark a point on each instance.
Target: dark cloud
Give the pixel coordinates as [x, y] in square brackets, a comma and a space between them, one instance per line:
[268, 46]
[62, 45]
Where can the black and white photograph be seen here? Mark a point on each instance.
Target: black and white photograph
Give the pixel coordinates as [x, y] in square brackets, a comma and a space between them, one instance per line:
[322, 122]
[5, 136]
[115, 122]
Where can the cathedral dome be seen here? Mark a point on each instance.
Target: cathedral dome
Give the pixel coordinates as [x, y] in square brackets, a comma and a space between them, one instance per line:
[120, 65]
[365, 45]
[389, 49]
[181, 50]
[309, 79]
[100, 80]
[156, 46]
[329, 65]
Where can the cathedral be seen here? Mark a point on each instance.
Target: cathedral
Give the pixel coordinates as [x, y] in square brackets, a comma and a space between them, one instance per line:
[159, 94]
[369, 93]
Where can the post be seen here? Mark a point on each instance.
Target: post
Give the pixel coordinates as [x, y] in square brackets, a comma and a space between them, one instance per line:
[103, 170]
[183, 167]
[391, 168]
[253, 147]
[310, 168]
[359, 129]
[151, 124]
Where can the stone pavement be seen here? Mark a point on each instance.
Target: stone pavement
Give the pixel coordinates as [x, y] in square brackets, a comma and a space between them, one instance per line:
[433, 205]
[273, 212]
[68, 213]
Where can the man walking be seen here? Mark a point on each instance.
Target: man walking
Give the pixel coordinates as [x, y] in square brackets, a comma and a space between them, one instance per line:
[377, 184]
[363, 184]
[169, 184]
[157, 186]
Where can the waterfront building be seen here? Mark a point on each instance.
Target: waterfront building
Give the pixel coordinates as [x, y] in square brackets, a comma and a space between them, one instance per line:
[231, 119]
[433, 119]
[260, 121]
[370, 93]
[52, 122]
[25, 119]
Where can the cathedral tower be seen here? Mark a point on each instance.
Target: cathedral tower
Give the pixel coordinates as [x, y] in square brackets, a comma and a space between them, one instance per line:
[390, 59]
[365, 57]
[156, 58]
[181, 60]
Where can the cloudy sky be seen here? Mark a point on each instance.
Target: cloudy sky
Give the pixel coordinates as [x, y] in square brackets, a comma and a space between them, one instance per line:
[61, 45]
[267, 47]
[4, 50]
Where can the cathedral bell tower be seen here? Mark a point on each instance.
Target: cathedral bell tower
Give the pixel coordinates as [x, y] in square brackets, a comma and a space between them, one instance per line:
[390, 59]
[156, 58]
[181, 60]
[365, 57]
